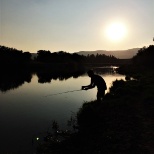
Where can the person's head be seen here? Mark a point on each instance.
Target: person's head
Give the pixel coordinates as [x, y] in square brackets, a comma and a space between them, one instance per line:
[90, 73]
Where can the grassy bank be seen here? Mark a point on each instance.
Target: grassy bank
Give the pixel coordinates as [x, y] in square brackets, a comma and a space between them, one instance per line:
[122, 123]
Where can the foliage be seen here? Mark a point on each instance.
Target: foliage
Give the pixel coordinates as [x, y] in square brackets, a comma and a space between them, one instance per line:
[145, 57]
[100, 58]
[13, 56]
[45, 61]
[63, 57]
[141, 62]
[57, 57]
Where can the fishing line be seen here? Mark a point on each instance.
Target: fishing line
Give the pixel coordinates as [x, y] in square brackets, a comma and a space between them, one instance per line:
[62, 93]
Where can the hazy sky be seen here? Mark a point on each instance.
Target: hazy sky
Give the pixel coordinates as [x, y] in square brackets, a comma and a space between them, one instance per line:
[76, 25]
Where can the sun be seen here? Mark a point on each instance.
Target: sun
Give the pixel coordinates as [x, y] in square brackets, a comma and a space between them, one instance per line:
[116, 31]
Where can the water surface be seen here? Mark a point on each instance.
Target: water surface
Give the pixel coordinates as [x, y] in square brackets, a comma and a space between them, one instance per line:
[28, 108]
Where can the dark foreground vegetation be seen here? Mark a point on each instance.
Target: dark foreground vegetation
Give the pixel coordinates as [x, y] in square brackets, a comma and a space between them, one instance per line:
[121, 124]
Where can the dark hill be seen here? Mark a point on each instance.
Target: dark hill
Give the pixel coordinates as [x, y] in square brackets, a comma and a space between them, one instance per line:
[122, 54]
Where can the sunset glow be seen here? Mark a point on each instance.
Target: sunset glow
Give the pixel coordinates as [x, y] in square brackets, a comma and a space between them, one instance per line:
[74, 26]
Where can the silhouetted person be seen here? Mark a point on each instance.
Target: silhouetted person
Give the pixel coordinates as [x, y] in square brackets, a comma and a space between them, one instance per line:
[98, 81]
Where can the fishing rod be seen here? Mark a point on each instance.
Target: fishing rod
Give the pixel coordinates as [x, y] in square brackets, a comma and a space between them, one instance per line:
[62, 93]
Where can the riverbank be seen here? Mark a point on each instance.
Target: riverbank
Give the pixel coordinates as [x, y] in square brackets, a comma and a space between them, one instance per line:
[122, 123]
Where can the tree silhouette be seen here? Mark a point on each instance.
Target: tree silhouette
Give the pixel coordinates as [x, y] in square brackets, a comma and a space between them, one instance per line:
[10, 57]
[145, 57]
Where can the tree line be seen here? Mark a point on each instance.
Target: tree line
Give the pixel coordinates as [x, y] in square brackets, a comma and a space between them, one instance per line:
[57, 57]
[61, 56]
[17, 58]
[145, 57]
[13, 57]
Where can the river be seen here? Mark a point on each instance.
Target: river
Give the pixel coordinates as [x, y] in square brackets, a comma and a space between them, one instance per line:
[28, 108]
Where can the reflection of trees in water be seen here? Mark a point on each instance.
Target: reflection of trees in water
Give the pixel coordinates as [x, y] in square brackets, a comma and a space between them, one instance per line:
[45, 77]
[12, 80]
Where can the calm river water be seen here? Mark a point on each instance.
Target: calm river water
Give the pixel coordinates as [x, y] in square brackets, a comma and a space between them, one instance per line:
[29, 108]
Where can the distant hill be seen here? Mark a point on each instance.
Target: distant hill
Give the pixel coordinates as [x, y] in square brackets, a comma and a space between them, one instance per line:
[121, 54]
